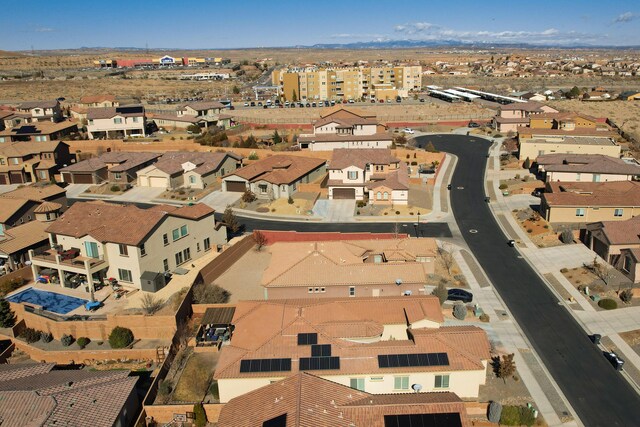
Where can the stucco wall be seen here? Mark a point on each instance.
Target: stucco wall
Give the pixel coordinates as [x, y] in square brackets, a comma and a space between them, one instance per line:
[559, 214]
[584, 177]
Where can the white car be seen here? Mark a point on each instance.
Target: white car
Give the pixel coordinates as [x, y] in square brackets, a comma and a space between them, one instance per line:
[409, 131]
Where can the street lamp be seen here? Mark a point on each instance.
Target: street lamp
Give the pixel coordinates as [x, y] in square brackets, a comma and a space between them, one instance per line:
[415, 227]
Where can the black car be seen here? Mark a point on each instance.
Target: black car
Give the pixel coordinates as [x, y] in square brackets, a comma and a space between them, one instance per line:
[537, 193]
[474, 125]
[459, 295]
[448, 186]
[614, 359]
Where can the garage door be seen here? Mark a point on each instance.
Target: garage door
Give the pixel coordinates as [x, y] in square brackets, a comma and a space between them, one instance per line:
[344, 193]
[82, 178]
[236, 186]
[3, 179]
[158, 181]
[15, 177]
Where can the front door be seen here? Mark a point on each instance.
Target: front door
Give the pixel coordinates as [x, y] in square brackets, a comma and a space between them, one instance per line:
[92, 249]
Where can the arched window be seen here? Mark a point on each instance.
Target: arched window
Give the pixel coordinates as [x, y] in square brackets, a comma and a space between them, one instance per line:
[386, 195]
[379, 196]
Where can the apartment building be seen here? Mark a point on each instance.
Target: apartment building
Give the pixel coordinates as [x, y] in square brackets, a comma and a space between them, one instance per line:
[96, 240]
[116, 122]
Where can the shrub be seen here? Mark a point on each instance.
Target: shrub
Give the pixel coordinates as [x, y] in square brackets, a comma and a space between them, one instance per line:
[151, 304]
[120, 337]
[248, 196]
[115, 188]
[46, 337]
[607, 304]
[83, 342]
[503, 186]
[529, 230]
[66, 340]
[527, 163]
[484, 317]
[210, 294]
[626, 295]
[414, 163]
[361, 203]
[517, 176]
[30, 335]
[290, 200]
[566, 236]
[517, 416]
[7, 316]
[431, 148]
[441, 292]
[397, 212]
[10, 285]
[200, 415]
[564, 270]
[495, 410]
[253, 156]
[460, 311]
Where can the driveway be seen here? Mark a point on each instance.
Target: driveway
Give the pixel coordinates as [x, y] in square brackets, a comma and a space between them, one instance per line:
[139, 194]
[219, 200]
[75, 190]
[335, 210]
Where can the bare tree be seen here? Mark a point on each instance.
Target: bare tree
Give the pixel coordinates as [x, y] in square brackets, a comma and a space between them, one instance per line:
[151, 304]
[183, 333]
[260, 239]
[504, 367]
[446, 257]
[601, 270]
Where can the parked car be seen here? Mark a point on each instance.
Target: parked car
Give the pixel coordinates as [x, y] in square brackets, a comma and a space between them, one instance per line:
[537, 193]
[409, 131]
[474, 125]
[246, 104]
[511, 243]
[614, 359]
[398, 99]
[459, 295]
[373, 101]
[421, 99]
[351, 101]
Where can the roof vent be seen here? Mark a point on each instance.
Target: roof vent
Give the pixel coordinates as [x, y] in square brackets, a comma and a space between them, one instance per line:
[417, 387]
[398, 282]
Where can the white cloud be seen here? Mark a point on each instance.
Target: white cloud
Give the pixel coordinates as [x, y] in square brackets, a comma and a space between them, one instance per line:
[414, 27]
[625, 17]
[357, 36]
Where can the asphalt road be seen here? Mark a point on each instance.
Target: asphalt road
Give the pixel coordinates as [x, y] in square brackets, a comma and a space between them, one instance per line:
[599, 395]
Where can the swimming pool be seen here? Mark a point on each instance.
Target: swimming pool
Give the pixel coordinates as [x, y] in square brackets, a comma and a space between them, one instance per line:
[50, 301]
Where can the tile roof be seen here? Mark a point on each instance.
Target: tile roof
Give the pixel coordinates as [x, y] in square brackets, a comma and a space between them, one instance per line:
[24, 236]
[352, 112]
[107, 222]
[396, 180]
[582, 132]
[9, 207]
[48, 207]
[564, 116]
[175, 118]
[615, 194]
[329, 263]
[269, 329]
[28, 105]
[124, 161]
[171, 162]
[36, 192]
[589, 163]
[10, 372]
[39, 128]
[202, 105]
[511, 120]
[530, 106]
[97, 98]
[279, 169]
[619, 232]
[332, 137]
[308, 400]
[25, 148]
[360, 157]
[345, 122]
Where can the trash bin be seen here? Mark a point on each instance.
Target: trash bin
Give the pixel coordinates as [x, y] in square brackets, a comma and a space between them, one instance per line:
[596, 338]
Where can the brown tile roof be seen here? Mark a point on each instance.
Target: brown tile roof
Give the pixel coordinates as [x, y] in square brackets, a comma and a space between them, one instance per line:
[11, 372]
[330, 263]
[108, 112]
[171, 162]
[564, 116]
[279, 169]
[125, 160]
[346, 112]
[360, 157]
[619, 232]
[48, 207]
[396, 180]
[10, 206]
[28, 105]
[530, 106]
[39, 128]
[175, 117]
[269, 330]
[380, 136]
[107, 222]
[346, 122]
[97, 98]
[589, 163]
[308, 400]
[35, 192]
[635, 252]
[26, 148]
[511, 120]
[24, 236]
[613, 194]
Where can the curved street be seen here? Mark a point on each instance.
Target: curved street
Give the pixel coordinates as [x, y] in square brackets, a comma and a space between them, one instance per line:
[599, 395]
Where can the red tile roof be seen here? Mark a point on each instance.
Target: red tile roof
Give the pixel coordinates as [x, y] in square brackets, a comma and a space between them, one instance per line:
[279, 169]
[360, 157]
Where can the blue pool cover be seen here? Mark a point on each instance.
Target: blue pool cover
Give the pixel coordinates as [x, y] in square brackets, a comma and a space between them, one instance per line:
[50, 301]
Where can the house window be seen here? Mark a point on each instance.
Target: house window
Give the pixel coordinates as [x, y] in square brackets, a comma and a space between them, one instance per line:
[442, 381]
[377, 259]
[352, 174]
[15, 160]
[134, 119]
[117, 175]
[401, 383]
[310, 290]
[165, 239]
[124, 275]
[352, 291]
[385, 196]
[379, 196]
[117, 121]
[183, 256]
[183, 231]
[165, 264]
[357, 383]
[197, 246]
[262, 188]
[143, 250]
[577, 176]
[207, 244]
[627, 264]
[124, 251]
[179, 259]
[91, 121]
[618, 212]
[42, 174]
[192, 179]
[580, 212]
[2, 162]
[175, 234]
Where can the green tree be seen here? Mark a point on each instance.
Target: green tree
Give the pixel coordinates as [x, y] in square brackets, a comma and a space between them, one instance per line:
[235, 90]
[276, 138]
[230, 219]
[120, 337]
[574, 92]
[194, 129]
[7, 316]
[527, 163]
[200, 415]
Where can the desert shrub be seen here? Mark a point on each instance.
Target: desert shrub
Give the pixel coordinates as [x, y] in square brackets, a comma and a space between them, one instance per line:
[253, 156]
[484, 317]
[83, 342]
[495, 410]
[441, 292]
[414, 163]
[460, 311]
[248, 196]
[66, 340]
[7, 316]
[120, 337]
[626, 295]
[46, 337]
[529, 230]
[361, 203]
[200, 415]
[290, 200]
[151, 304]
[503, 186]
[517, 416]
[431, 148]
[566, 236]
[30, 335]
[10, 285]
[397, 212]
[607, 304]
[210, 294]
[517, 176]
[564, 270]
[115, 188]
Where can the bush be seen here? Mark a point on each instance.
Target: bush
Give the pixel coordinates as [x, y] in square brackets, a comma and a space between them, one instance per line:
[253, 156]
[83, 342]
[503, 186]
[441, 292]
[564, 270]
[165, 387]
[290, 200]
[120, 337]
[66, 340]
[626, 295]
[210, 294]
[151, 304]
[46, 337]
[517, 416]
[200, 415]
[361, 203]
[484, 317]
[7, 316]
[194, 129]
[10, 285]
[431, 148]
[566, 237]
[30, 335]
[495, 410]
[115, 188]
[607, 304]
[460, 311]
[248, 196]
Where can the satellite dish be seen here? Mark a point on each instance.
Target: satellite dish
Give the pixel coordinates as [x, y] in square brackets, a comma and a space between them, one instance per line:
[398, 282]
[417, 387]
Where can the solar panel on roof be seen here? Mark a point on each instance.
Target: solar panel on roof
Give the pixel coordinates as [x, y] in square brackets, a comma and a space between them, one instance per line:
[279, 421]
[26, 129]
[265, 365]
[129, 110]
[320, 350]
[449, 419]
[319, 363]
[308, 339]
[413, 359]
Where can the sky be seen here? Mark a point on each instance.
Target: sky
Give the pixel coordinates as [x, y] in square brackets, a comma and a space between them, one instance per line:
[212, 24]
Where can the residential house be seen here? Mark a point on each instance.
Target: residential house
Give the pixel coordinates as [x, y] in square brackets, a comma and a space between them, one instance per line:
[188, 169]
[42, 111]
[308, 400]
[11, 118]
[564, 121]
[204, 114]
[16, 241]
[15, 212]
[117, 167]
[375, 345]
[511, 116]
[23, 162]
[41, 192]
[342, 128]
[276, 176]
[99, 101]
[372, 174]
[587, 168]
[116, 122]
[579, 203]
[97, 240]
[43, 394]
[536, 142]
[618, 243]
[629, 95]
[39, 132]
[329, 269]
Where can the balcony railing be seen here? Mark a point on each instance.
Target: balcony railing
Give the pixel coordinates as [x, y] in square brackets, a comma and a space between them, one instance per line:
[63, 258]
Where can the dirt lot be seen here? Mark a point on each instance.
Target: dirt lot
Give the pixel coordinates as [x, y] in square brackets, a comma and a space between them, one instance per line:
[195, 378]
[633, 339]
[540, 232]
